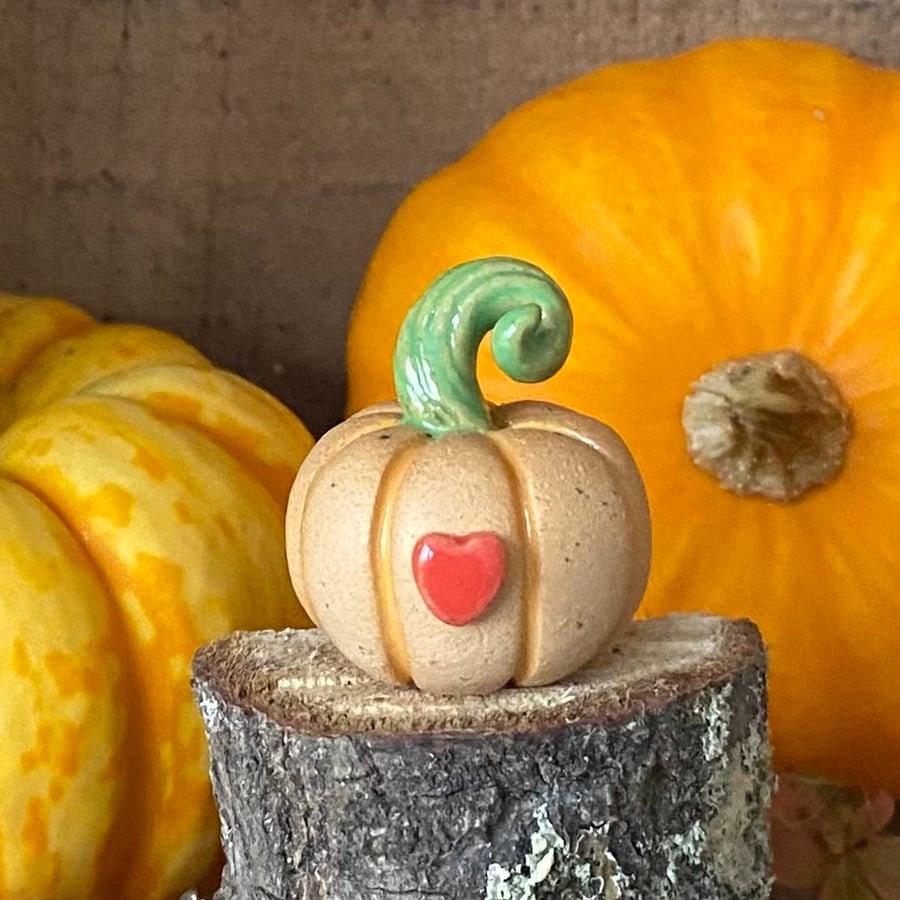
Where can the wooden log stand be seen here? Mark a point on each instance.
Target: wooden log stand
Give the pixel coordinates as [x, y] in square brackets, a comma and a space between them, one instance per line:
[646, 775]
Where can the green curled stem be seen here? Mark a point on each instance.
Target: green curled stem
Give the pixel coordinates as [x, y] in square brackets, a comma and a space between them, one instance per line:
[435, 355]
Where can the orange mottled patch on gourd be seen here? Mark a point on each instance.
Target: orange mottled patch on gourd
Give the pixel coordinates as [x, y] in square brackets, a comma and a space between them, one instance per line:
[157, 586]
[68, 365]
[183, 513]
[155, 467]
[56, 790]
[31, 324]
[154, 578]
[150, 591]
[176, 406]
[242, 444]
[39, 754]
[112, 502]
[41, 446]
[70, 751]
[246, 445]
[225, 526]
[21, 659]
[74, 674]
[57, 747]
[34, 829]
[179, 758]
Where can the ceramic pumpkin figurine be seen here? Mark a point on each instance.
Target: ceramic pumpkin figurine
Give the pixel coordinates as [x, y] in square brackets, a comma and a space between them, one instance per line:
[725, 223]
[461, 546]
[142, 494]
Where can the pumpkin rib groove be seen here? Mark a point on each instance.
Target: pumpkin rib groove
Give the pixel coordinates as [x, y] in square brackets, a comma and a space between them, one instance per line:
[696, 276]
[70, 324]
[70, 366]
[61, 693]
[537, 241]
[863, 324]
[531, 564]
[380, 551]
[585, 269]
[563, 430]
[70, 328]
[330, 445]
[276, 476]
[128, 823]
[831, 262]
[564, 256]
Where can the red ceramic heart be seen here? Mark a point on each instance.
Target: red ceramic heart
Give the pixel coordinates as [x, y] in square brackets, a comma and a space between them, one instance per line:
[459, 575]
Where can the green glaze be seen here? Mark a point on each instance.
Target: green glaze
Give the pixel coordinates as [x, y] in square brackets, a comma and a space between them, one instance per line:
[434, 360]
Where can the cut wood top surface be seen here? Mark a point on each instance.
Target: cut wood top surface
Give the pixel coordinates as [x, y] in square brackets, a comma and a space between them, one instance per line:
[300, 680]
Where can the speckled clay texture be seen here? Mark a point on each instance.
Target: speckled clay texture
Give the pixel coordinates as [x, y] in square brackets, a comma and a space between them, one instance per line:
[559, 489]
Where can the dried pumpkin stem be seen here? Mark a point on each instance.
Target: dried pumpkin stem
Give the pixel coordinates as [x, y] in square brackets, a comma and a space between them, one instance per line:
[772, 424]
[435, 356]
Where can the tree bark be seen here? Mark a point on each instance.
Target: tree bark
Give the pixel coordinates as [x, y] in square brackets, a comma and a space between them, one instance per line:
[646, 775]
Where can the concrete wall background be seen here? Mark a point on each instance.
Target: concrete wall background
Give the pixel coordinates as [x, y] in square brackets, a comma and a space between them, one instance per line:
[223, 168]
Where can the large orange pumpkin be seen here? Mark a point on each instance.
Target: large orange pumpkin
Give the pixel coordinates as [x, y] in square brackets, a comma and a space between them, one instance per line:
[142, 494]
[730, 203]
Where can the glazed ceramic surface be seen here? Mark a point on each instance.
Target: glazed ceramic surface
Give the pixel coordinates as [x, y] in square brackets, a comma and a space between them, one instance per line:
[458, 546]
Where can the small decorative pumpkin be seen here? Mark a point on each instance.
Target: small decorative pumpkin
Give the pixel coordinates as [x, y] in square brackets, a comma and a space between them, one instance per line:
[726, 224]
[458, 546]
[142, 494]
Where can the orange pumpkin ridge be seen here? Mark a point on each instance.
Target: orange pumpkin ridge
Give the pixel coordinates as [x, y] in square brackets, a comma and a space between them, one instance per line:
[130, 824]
[391, 629]
[531, 564]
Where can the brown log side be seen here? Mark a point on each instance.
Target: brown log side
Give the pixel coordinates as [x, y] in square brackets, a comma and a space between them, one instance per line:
[646, 775]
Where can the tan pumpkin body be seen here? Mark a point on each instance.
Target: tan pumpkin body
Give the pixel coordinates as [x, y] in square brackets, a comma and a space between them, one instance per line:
[142, 492]
[559, 489]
